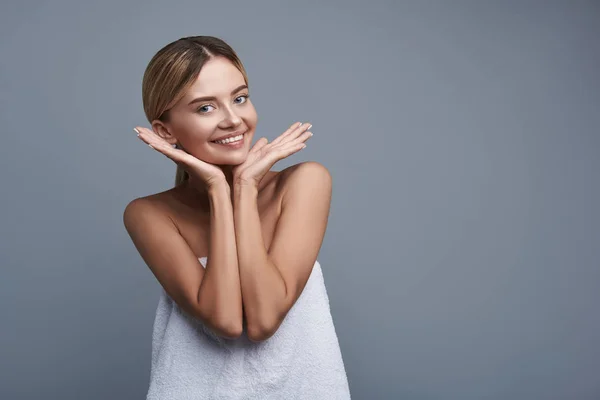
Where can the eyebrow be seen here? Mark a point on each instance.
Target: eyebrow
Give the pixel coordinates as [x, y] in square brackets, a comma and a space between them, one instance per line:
[234, 91]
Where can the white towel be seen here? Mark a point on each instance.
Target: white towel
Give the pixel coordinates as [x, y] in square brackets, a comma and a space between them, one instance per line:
[302, 360]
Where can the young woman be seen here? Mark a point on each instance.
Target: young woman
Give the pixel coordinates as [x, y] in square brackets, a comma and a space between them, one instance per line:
[243, 312]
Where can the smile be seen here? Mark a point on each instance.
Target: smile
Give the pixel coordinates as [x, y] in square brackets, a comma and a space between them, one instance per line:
[233, 143]
[230, 140]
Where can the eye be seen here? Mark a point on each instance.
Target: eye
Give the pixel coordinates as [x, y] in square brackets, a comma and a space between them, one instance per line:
[244, 96]
[200, 109]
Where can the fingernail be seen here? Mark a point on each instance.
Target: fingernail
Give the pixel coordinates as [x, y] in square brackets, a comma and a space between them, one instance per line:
[138, 132]
[310, 126]
[303, 147]
[311, 133]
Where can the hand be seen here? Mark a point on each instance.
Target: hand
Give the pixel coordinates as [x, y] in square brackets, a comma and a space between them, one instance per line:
[207, 173]
[263, 155]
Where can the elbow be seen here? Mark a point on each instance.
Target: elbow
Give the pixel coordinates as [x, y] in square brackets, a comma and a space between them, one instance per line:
[226, 328]
[259, 335]
[231, 331]
[259, 332]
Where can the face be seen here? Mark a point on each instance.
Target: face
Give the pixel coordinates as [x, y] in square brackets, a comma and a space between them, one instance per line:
[196, 123]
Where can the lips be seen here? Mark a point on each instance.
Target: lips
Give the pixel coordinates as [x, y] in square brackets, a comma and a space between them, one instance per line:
[230, 136]
[233, 145]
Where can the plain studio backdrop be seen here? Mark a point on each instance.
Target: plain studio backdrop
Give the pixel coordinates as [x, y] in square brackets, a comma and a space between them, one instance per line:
[462, 256]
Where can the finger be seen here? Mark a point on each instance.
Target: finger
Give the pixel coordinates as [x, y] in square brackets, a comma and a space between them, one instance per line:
[274, 155]
[292, 142]
[152, 139]
[148, 135]
[286, 151]
[160, 145]
[290, 130]
[296, 133]
[260, 143]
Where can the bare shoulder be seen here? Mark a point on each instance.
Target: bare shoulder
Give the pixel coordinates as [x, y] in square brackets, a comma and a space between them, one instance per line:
[155, 200]
[308, 175]
[153, 215]
[144, 210]
[141, 205]
[166, 253]
[157, 205]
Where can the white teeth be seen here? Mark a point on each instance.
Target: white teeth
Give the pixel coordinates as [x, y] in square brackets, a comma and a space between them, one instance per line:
[229, 140]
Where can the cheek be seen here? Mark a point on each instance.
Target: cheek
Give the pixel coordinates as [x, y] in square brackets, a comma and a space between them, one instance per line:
[196, 131]
[251, 115]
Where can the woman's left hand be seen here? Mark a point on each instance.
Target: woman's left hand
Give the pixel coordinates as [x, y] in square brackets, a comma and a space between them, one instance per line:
[263, 155]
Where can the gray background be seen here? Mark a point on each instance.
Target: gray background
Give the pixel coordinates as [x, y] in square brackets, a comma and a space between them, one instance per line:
[462, 255]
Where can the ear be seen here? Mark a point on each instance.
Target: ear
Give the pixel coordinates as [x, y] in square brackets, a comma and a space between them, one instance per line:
[164, 131]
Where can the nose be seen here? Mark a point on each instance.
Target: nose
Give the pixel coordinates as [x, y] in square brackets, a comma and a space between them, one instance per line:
[231, 118]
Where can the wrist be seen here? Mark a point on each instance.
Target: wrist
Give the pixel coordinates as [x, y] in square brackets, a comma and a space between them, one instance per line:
[218, 186]
[241, 191]
[245, 186]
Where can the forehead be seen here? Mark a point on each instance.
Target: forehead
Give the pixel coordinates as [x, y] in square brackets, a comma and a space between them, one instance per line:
[217, 78]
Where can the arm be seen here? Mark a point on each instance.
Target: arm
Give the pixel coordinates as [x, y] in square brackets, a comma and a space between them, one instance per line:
[219, 295]
[177, 268]
[272, 282]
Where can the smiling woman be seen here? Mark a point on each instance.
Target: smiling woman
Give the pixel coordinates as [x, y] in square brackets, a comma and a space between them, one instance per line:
[243, 309]
[195, 92]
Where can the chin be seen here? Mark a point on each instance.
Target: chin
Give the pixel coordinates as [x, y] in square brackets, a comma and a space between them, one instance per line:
[229, 163]
[233, 160]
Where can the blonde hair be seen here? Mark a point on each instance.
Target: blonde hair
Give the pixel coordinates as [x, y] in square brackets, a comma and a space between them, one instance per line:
[173, 69]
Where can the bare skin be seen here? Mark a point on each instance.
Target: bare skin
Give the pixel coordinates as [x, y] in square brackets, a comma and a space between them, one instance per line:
[260, 230]
[192, 217]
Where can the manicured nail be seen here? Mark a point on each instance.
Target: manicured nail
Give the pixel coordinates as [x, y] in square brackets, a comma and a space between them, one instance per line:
[310, 126]
[138, 132]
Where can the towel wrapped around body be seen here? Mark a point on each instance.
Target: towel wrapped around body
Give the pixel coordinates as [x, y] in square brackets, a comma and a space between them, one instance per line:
[302, 360]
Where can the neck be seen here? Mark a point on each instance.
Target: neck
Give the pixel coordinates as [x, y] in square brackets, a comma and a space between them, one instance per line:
[228, 171]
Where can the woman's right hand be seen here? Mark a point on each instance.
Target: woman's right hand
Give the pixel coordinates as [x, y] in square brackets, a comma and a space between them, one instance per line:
[205, 172]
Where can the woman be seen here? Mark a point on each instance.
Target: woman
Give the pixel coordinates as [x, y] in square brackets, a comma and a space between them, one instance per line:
[243, 312]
